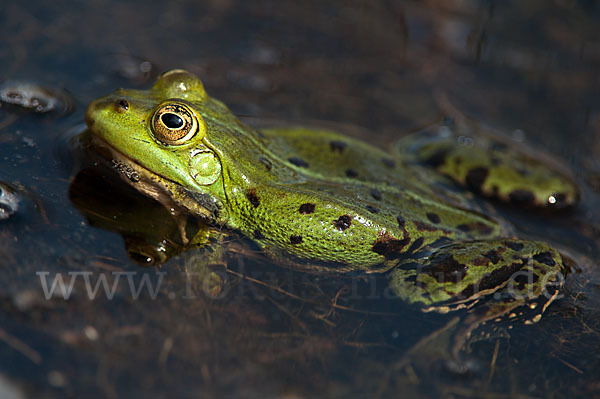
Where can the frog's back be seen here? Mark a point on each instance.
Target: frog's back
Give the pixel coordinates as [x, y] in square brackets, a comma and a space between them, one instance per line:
[325, 154]
[339, 201]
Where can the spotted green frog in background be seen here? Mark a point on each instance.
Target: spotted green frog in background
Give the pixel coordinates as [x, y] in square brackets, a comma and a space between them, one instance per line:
[322, 201]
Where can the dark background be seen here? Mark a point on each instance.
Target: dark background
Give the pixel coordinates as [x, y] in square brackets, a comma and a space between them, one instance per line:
[373, 69]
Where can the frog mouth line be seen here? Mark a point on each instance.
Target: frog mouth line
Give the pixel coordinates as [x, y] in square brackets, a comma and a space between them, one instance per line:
[154, 185]
[114, 158]
[139, 177]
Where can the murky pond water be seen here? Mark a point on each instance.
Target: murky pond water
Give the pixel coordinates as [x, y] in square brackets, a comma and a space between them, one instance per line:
[374, 70]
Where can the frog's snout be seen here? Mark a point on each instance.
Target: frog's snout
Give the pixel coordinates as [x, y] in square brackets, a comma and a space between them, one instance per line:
[104, 104]
[90, 113]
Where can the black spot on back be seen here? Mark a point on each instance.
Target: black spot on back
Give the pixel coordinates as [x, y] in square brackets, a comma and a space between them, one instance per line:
[376, 194]
[446, 269]
[351, 172]
[489, 281]
[401, 221]
[482, 228]
[337, 146]
[493, 256]
[372, 209]
[478, 227]
[306, 208]
[526, 278]
[424, 226]
[515, 246]
[295, 239]
[253, 197]
[475, 178]
[258, 235]
[416, 244]
[464, 227]
[298, 162]
[390, 163]
[545, 258]
[433, 217]
[389, 246]
[437, 159]
[521, 197]
[266, 162]
[343, 222]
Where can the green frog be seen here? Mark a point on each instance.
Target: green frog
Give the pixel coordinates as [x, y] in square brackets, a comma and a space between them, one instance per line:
[325, 202]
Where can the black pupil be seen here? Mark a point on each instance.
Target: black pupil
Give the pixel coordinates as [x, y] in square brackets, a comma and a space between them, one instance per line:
[172, 121]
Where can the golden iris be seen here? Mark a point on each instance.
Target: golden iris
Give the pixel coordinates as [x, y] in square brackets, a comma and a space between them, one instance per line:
[174, 123]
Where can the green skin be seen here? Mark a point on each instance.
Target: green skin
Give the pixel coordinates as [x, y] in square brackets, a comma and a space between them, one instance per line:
[323, 201]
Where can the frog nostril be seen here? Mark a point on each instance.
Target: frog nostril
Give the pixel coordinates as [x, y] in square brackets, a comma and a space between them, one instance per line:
[122, 106]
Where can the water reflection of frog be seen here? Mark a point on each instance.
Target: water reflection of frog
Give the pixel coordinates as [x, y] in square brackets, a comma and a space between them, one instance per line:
[324, 201]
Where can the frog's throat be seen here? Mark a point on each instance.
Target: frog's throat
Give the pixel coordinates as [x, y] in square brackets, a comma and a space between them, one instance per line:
[170, 194]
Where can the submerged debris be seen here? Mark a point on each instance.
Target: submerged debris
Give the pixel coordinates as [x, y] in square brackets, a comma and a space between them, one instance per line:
[36, 98]
[133, 68]
[9, 201]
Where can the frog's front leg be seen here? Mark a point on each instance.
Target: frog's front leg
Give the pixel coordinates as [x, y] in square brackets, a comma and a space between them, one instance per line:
[488, 278]
[494, 167]
[154, 247]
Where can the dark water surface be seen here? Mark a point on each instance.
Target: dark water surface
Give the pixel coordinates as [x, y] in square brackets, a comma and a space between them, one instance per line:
[374, 69]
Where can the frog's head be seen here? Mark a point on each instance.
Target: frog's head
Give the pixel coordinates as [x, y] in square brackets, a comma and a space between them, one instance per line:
[164, 135]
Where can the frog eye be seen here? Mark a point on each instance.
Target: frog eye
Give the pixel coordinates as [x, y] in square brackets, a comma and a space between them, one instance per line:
[174, 123]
